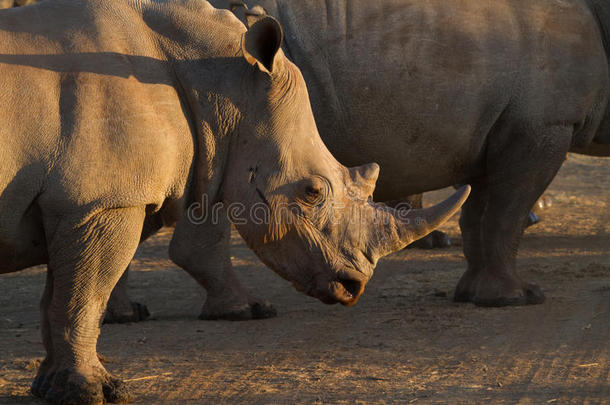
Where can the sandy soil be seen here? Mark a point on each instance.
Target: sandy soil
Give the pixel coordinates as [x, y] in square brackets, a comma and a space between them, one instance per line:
[405, 341]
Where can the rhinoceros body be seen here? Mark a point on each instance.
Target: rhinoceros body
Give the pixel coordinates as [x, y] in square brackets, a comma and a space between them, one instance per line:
[440, 92]
[118, 112]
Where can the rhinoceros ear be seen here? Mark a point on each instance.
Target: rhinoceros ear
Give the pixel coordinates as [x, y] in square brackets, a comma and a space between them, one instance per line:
[255, 14]
[261, 43]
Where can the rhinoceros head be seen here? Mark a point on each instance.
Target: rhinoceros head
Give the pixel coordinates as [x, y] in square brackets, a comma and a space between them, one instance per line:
[306, 216]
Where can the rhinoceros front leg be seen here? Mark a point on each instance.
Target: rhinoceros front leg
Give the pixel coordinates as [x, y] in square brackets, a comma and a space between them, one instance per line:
[494, 217]
[470, 224]
[203, 250]
[86, 258]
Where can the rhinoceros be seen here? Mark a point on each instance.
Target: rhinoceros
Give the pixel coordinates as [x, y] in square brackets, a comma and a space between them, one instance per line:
[447, 92]
[116, 111]
[442, 93]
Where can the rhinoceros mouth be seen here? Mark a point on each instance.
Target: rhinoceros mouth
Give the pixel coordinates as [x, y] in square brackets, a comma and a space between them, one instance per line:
[348, 291]
[345, 290]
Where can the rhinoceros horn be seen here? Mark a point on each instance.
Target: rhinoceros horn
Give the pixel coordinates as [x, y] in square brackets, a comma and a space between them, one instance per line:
[365, 178]
[398, 227]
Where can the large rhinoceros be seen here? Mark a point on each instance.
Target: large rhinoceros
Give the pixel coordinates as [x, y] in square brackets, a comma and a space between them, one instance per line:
[445, 92]
[449, 92]
[114, 110]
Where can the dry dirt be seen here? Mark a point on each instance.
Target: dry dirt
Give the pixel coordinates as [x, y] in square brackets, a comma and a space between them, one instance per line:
[405, 341]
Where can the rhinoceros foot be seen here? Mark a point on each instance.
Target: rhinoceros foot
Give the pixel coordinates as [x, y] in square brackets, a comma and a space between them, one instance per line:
[254, 310]
[489, 290]
[69, 386]
[136, 312]
[434, 240]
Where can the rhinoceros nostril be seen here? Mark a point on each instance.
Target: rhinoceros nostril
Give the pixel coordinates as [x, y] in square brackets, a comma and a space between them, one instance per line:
[353, 287]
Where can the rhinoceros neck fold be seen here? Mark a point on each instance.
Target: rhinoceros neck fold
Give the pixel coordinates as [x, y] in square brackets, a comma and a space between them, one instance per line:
[203, 48]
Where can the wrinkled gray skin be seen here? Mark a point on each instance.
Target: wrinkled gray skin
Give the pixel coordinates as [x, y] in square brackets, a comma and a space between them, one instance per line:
[492, 94]
[449, 92]
[127, 112]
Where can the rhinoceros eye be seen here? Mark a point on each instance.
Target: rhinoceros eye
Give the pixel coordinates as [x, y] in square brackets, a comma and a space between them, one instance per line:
[314, 191]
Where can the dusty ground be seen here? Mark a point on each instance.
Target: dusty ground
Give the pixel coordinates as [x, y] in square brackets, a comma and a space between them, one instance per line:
[405, 341]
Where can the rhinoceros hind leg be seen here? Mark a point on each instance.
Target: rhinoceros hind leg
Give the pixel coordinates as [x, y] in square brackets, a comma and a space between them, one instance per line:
[137, 313]
[86, 257]
[495, 216]
[470, 225]
[120, 308]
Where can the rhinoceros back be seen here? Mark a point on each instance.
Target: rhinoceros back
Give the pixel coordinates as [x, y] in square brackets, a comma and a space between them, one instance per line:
[408, 83]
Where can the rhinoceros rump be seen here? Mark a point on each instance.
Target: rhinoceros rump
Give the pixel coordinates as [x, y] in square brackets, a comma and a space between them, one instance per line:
[116, 111]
